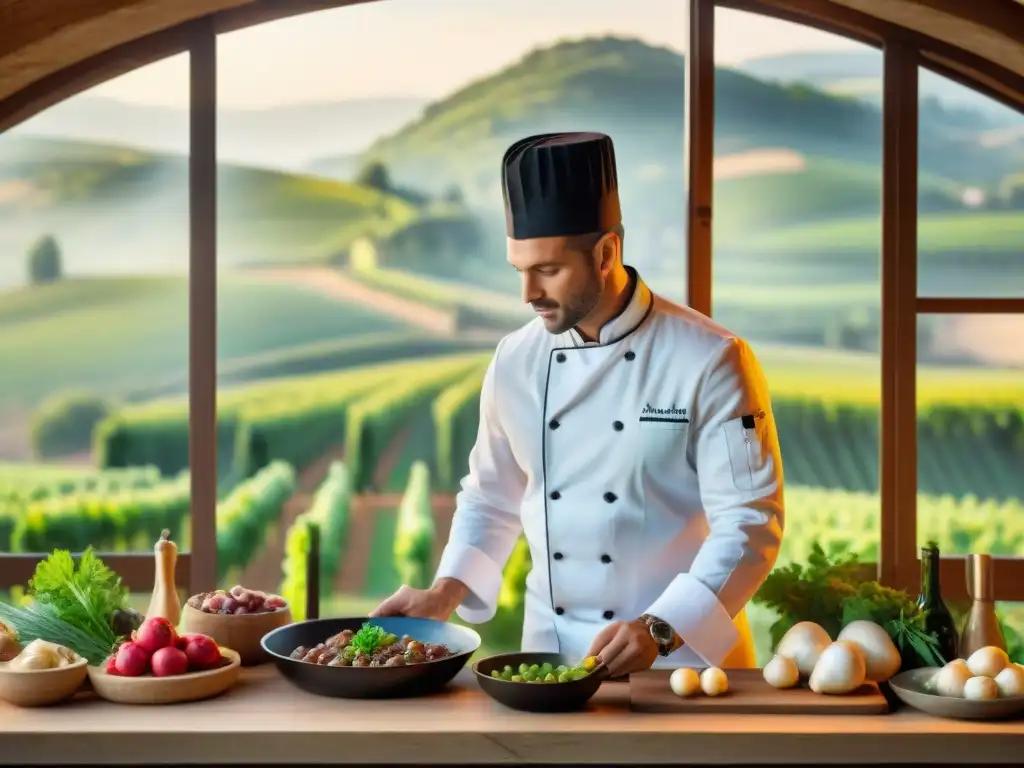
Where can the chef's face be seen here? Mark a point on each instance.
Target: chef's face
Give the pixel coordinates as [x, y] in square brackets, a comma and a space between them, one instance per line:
[563, 277]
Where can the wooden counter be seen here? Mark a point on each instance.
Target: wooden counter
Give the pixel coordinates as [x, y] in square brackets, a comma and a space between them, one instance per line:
[266, 721]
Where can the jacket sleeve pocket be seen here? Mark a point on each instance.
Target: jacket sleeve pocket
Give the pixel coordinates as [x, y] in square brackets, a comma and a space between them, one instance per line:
[748, 454]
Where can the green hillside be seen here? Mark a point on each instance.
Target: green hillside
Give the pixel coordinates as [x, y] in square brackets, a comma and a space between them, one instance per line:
[634, 92]
[112, 335]
[117, 208]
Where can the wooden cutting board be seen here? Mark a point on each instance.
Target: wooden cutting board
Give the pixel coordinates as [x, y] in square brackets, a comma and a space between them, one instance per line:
[749, 693]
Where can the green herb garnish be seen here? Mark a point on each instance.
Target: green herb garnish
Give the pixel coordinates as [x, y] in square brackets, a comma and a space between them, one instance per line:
[368, 639]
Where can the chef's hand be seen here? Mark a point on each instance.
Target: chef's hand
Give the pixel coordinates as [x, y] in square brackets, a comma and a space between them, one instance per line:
[624, 647]
[438, 602]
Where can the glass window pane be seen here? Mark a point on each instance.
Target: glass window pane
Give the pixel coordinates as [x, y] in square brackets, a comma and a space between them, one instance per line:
[94, 319]
[970, 193]
[364, 281]
[797, 244]
[970, 387]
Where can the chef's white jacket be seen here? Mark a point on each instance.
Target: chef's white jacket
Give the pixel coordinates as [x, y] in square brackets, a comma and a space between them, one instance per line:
[644, 470]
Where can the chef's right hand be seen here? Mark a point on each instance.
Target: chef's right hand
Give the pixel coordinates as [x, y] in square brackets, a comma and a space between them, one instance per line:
[439, 602]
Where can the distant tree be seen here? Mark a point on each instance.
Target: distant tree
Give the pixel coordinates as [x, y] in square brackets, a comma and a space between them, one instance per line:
[375, 174]
[453, 195]
[44, 261]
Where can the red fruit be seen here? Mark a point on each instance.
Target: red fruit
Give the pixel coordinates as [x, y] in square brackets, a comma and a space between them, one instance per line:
[111, 666]
[169, 661]
[132, 660]
[156, 633]
[202, 652]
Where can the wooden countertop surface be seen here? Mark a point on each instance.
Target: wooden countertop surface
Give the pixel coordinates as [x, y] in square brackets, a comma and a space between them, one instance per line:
[265, 720]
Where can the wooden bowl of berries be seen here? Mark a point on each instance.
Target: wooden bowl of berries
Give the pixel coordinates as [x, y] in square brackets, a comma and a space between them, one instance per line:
[159, 666]
[237, 618]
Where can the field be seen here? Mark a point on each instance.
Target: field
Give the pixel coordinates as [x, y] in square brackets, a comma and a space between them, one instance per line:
[116, 335]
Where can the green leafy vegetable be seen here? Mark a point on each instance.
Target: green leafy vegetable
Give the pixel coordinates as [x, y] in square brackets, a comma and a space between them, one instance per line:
[85, 597]
[42, 622]
[832, 592]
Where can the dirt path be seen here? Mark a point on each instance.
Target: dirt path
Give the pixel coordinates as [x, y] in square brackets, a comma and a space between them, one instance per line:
[351, 576]
[995, 340]
[337, 285]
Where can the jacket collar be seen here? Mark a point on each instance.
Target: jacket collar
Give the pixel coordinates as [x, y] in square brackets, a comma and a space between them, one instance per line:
[624, 323]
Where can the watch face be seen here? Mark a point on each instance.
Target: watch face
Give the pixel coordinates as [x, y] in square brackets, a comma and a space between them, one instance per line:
[662, 632]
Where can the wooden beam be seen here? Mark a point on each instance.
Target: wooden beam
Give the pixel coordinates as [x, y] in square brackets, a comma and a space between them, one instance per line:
[202, 308]
[136, 570]
[898, 469]
[700, 153]
[928, 305]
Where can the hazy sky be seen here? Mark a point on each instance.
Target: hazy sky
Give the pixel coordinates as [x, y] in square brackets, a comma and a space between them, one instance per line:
[429, 48]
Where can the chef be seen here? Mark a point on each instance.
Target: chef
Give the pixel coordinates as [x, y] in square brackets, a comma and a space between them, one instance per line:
[630, 439]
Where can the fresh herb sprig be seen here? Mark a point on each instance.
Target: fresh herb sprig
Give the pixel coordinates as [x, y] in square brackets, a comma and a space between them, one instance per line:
[368, 639]
[42, 622]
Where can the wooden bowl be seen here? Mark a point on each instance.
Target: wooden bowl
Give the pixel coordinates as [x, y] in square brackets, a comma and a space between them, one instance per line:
[40, 687]
[241, 633]
[147, 689]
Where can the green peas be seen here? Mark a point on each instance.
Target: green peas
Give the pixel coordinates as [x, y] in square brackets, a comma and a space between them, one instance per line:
[545, 673]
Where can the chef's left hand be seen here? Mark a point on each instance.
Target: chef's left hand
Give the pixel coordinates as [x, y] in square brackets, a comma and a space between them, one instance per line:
[624, 647]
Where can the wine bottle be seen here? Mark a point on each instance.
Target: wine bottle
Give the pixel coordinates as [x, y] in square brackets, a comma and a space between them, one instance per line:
[938, 621]
[982, 626]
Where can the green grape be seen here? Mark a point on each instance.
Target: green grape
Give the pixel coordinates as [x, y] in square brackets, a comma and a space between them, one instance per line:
[517, 678]
[550, 678]
[496, 674]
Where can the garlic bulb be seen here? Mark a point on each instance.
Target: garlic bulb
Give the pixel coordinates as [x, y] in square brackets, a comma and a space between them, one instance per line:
[781, 672]
[9, 645]
[988, 661]
[840, 669]
[39, 654]
[879, 652]
[804, 643]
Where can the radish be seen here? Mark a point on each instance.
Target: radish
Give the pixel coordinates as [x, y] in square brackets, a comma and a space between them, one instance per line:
[202, 652]
[132, 660]
[156, 633]
[168, 662]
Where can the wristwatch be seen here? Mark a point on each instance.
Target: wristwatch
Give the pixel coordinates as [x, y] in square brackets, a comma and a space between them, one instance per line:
[662, 632]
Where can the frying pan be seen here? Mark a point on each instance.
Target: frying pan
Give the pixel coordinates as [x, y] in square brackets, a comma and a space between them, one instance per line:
[537, 697]
[370, 682]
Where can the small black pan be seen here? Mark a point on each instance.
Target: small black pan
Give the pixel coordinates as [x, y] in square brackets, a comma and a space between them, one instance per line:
[537, 697]
[371, 682]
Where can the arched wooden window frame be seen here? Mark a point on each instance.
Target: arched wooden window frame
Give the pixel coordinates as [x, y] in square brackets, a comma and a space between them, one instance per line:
[904, 52]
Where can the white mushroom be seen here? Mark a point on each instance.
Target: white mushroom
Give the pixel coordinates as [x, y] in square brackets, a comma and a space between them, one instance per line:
[879, 652]
[803, 643]
[988, 661]
[840, 669]
[1010, 681]
[714, 682]
[951, 679]
[684, 682]
[781, 672]
[981, 689]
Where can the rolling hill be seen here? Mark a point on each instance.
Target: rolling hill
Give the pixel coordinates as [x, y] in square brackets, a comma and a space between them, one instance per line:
[284, 137]
[634, 92]
[117, 209]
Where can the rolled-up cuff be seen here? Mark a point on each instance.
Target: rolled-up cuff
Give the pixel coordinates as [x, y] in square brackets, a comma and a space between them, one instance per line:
[480, 574]
[696, 614]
